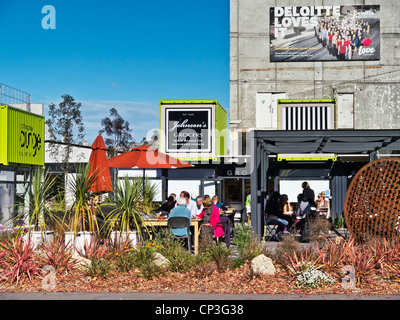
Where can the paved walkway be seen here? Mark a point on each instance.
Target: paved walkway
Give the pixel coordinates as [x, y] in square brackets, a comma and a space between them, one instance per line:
[184, 296]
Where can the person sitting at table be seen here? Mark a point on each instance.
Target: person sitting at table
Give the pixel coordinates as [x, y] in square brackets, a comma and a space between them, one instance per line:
[180, 211]
[287, 209]
[199, 203]
[274, 213]
[217, 203]
[191, 205]
[210, 217]
[167, 206]
[322, 205]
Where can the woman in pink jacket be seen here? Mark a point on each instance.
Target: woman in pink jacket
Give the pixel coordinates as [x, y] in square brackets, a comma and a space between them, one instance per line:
[210, 217]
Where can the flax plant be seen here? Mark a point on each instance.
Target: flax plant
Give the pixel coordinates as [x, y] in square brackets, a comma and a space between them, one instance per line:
[83, 217]
[128, 200]
[38, 192]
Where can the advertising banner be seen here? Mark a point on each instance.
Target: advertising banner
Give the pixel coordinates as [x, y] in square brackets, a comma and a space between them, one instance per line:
[188, 130]
[21, 138]
[325, 33]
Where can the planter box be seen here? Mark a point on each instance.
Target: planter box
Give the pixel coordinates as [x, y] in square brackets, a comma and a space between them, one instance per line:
[79, 240]
[121, 237]
[38, 237]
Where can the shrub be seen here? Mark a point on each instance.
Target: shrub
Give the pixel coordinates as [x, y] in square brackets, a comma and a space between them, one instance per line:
[18, 260]
[202, 266]
[125, 261]
[93, 249]
[333, 256]
[219, 254]
[97, 267]
[143, 260]
[308, 276]
[247, 245]
[57, 254]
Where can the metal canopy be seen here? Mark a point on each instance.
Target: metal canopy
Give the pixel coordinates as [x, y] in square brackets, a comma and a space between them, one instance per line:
[273, 142]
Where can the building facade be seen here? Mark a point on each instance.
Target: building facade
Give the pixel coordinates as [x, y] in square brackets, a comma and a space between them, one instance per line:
[326, 73]
[266, 66]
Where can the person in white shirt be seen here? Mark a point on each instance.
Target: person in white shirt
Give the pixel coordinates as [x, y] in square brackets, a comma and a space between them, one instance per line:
[191, 205]
[199, 204]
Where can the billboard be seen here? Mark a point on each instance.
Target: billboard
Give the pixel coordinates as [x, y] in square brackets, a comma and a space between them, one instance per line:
[325, 33]
[21, 137]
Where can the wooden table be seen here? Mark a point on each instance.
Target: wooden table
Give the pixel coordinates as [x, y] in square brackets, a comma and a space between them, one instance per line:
[164, 223]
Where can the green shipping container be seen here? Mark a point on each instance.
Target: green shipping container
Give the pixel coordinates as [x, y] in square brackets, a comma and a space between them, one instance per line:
[193, 129]
[21, 137]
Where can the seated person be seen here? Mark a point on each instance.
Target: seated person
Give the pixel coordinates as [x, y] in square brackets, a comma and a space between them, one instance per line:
[180, 211]
[275, 213]
[217, 203]
[199, 203]
[322, 205]
[168, 205]
[210, 217]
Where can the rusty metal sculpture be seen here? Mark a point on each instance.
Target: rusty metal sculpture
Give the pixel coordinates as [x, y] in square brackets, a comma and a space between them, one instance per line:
[372, 205]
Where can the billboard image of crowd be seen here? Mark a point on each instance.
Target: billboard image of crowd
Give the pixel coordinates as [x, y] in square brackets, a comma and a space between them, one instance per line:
[324, 33]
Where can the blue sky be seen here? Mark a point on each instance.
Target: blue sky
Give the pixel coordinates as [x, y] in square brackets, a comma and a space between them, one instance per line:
[123, 54]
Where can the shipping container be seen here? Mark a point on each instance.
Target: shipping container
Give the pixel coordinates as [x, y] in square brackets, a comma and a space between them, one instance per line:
[193, 129]
[21, 137]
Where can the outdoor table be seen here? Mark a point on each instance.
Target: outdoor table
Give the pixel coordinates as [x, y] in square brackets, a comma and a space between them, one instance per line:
[164, 223]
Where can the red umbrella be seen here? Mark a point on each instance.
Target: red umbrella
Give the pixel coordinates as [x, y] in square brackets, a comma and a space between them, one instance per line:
[144, 157]
[99, 167]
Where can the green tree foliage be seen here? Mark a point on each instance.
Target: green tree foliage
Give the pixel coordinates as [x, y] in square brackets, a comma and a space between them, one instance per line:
[118, 133]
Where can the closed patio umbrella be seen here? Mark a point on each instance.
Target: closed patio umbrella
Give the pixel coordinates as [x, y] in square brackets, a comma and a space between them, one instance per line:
[99, 167]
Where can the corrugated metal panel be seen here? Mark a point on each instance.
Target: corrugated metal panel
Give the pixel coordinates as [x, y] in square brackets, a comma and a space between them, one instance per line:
[22, 137]
[339, 190]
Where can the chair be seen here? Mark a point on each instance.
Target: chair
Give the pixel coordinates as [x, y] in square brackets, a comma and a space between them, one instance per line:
[271, 230]
[178, 223]
[226, 226]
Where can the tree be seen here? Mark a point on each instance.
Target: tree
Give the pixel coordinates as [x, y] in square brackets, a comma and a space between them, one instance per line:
[118, 131]
[66, 126]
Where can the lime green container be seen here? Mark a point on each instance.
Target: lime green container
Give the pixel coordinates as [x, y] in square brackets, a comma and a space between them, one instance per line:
[21, 137]
[193, 130]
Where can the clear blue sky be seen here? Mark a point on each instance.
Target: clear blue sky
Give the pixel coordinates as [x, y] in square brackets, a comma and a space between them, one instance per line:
[123, 54]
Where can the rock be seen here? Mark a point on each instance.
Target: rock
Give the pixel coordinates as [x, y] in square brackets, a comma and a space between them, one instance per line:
[160, 260]
[262, 265]
[80, 261]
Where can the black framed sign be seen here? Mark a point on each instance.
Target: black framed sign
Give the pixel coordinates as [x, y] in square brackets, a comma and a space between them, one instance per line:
[188, 130]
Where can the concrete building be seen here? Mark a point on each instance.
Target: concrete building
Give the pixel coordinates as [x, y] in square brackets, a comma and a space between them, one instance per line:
[285, 75]
[367, 92]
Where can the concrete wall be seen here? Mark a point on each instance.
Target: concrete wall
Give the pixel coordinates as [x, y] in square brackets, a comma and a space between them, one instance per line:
[375, 84]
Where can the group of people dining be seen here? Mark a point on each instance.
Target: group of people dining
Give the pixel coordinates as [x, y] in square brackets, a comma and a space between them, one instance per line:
[279, 210]
[205, 208]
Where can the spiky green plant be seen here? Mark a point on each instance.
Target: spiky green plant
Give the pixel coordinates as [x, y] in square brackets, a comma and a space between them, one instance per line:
[37, 213]
[129, 204]
[83, 218]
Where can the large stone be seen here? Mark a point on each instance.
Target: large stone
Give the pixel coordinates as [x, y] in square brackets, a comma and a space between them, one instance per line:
[81, 262]
[160, 260]
[262, 265]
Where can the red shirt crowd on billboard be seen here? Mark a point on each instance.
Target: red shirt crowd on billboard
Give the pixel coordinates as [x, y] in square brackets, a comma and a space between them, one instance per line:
[342, 40]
